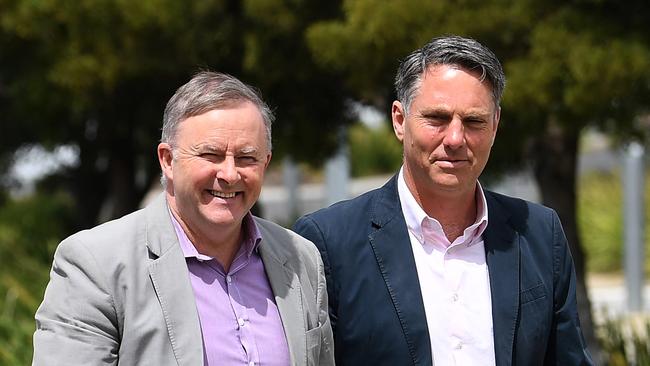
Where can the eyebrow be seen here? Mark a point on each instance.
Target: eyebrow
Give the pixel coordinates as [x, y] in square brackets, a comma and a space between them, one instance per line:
[444, 112]
[247, 150]
[434, 111]
[207, 148]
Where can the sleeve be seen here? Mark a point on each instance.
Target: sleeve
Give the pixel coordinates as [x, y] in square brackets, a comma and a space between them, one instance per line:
[326, 357]
[567, 345]
[76, 323]
[308, 228]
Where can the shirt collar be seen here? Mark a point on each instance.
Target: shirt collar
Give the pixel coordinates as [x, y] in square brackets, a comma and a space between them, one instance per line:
[417, 221]
[250, 242]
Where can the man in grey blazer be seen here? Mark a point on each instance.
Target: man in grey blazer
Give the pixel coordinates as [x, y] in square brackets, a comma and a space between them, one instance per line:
[193, 278]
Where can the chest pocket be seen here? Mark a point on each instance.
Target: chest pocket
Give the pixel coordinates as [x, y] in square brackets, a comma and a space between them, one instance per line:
[534, 293]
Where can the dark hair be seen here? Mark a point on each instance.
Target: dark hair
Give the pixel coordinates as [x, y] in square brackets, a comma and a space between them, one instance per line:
[466, 53]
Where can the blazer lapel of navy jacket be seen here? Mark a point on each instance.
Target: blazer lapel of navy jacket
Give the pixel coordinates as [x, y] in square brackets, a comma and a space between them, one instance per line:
[392, 248]
[169, 275]
[502, 255]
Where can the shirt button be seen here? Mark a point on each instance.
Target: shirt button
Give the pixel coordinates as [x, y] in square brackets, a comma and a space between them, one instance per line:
[241, 322]
[454, 297]
[228, 279]
[459, 345]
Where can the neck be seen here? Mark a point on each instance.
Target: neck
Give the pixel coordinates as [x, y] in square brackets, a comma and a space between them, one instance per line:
[454, 212]
[223, 249]
[222, 243]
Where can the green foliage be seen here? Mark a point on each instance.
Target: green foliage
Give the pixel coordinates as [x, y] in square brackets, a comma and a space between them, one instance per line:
[96, 74]
[600, 220]
[30, 229]
[373, 150]
[369, 42]
[309, 98]
[602, 79]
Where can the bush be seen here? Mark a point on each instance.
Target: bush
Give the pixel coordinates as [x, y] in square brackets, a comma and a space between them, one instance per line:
[30, 229]
[625, 341]
[373, 151]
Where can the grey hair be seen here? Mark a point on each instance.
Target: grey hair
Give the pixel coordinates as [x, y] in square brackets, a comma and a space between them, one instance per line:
[463, 52]
[207, 91]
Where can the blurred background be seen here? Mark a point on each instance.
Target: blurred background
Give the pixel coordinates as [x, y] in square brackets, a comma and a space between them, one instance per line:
[83, 84]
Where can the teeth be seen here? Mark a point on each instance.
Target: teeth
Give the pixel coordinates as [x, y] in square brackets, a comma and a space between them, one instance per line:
[222, 194]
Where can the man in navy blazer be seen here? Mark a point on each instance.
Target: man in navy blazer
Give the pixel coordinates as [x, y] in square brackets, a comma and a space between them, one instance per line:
[432, 269]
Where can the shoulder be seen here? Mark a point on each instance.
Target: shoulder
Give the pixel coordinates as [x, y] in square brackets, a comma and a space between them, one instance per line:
[106, 245]
[108, 238]
[352, 206]
[284, 241]
[349, 213]
[522, 214]
[340, 224]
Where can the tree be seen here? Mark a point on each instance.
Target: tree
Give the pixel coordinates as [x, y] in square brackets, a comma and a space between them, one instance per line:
[310, 98]
[96, 74]
[570, 65]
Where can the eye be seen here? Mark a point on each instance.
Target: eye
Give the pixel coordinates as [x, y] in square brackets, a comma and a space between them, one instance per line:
[210, 156]
[436, 119]
[247, 159]
[475, 122]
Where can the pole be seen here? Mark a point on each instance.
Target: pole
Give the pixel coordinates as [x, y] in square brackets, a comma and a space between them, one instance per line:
[633, 216]
[337, 172]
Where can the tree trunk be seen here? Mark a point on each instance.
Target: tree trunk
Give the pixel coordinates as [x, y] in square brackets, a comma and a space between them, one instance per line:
[555, 165]
[122, 194]
[87, 186]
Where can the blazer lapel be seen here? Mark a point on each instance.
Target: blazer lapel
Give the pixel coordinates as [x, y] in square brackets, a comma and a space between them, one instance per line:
[502, 256]
[392, 248]
[169, 275]
[286, 289]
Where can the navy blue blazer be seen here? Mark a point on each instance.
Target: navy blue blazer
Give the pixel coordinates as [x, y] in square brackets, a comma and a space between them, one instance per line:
[376, 307]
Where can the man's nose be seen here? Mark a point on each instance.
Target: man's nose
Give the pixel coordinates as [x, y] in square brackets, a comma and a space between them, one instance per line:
[227, 170]
[455, 134]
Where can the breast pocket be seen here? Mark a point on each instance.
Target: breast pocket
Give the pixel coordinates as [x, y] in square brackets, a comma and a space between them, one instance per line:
[535, 318]
[532, 294]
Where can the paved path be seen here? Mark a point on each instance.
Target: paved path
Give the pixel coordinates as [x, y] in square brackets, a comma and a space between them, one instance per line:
[609, 297]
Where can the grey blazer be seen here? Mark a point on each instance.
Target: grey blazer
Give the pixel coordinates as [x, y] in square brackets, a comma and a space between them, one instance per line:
[120, 294]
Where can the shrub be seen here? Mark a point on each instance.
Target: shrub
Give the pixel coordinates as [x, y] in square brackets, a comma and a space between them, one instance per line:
[30, 229]
[373, 150]
[625, 341]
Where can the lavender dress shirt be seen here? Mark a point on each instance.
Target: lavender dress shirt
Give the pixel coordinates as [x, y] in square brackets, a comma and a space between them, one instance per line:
[240, 322]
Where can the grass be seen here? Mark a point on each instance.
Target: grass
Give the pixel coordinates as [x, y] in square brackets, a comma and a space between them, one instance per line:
[600, 221]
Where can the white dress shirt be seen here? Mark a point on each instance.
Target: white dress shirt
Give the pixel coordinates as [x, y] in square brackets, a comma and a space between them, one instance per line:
[454, 282]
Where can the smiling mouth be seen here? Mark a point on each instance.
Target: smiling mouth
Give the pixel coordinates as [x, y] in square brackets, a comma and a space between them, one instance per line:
[222, 194]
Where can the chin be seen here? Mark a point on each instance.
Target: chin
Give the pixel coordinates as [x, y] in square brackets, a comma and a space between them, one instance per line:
[223, 217]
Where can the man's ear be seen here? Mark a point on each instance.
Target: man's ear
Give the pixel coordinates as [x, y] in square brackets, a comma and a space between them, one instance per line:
[165, 158]
[398, 116]
[268, 160]
[497, 118]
